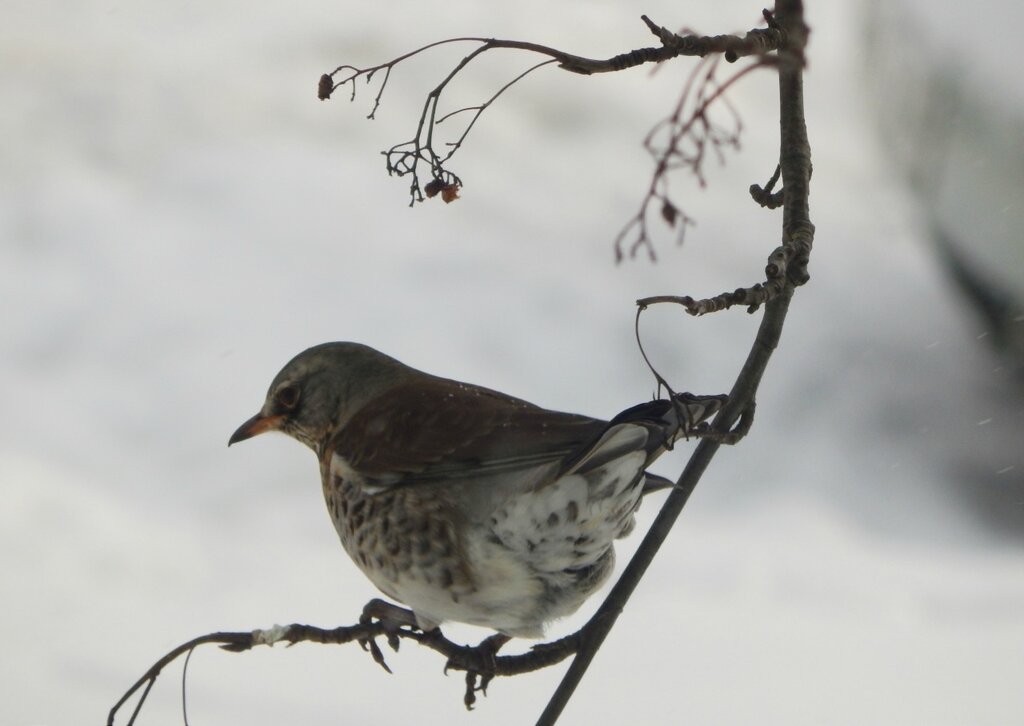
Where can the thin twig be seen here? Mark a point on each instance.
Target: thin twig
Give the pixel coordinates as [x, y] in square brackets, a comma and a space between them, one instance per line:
[405, 158]
[673, 155]
[755, 42]
[184, 689]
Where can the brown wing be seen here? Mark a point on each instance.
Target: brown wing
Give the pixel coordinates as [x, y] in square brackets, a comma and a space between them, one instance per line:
[440, 429]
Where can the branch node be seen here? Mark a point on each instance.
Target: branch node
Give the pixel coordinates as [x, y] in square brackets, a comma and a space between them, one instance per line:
[666, 36]
[764, 196]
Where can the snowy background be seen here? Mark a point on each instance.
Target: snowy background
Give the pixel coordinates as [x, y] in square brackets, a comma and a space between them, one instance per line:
[179, 216]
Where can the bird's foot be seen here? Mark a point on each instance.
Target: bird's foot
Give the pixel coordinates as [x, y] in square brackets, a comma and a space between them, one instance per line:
[738, 432]
[391, 619]
[692, 412]
[480, 664]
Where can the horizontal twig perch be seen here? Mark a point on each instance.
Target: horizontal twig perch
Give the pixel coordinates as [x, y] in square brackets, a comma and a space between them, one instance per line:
[480, 665]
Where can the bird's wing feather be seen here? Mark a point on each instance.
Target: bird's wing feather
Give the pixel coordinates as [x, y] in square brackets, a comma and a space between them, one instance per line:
[440, 429]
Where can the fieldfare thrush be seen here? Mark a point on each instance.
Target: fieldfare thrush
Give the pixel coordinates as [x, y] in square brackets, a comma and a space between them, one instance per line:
[464, 503]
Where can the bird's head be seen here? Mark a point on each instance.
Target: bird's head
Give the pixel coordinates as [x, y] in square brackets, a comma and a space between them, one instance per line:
[319, 389]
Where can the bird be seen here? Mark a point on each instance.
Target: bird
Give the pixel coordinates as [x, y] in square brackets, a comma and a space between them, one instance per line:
[463, 503]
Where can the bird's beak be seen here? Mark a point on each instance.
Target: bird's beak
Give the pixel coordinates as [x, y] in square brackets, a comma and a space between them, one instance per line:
[256, 425]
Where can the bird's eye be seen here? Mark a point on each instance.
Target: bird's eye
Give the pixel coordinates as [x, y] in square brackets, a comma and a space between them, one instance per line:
[287, 397]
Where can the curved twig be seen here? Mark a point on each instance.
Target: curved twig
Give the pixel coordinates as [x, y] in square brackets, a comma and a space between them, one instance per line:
[184, 684]
[480, 664]
[756, 42]
[685, 145]
[405, 158]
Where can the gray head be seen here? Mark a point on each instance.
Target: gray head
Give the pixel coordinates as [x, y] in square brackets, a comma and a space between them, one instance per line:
[320, 389]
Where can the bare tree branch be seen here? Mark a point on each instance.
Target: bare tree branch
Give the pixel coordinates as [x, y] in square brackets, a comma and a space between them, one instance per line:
[756, 42]
[797, 235]
[479, 664]
[681, 141]
[405, 159]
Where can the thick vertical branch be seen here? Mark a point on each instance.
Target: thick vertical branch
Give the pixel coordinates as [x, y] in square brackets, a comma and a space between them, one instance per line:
[797, 238]
[795, 151]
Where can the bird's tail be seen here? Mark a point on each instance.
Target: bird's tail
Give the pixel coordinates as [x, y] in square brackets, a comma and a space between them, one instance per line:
[683, 416]
[650, 427]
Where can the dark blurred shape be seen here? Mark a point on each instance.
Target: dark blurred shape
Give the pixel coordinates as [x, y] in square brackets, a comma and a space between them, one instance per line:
[950, 108]
[949, 103]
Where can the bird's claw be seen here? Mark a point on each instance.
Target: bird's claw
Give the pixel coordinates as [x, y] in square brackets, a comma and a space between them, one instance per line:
[390, 619]
[480, 663]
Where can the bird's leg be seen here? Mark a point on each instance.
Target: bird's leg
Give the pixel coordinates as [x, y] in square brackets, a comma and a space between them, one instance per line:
[480, 664]
[391, 618]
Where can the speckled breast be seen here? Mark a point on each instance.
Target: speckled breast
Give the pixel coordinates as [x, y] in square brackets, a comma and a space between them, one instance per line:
[400, 539]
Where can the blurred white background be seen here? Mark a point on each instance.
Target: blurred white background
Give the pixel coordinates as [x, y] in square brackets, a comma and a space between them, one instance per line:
[179, 216]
